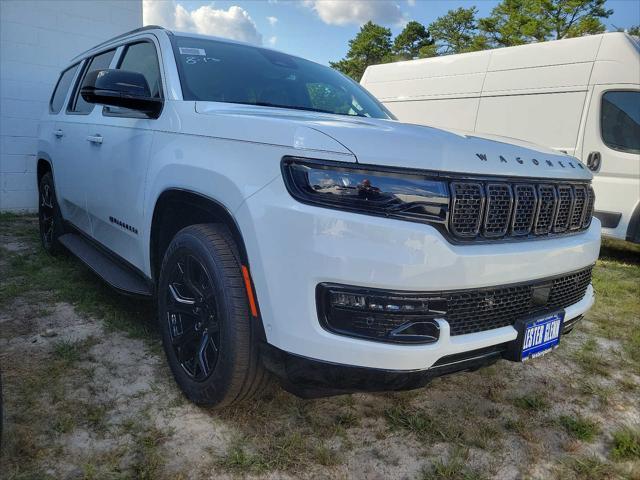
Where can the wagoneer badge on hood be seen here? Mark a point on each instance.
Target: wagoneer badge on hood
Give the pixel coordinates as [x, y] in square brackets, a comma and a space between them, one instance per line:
[563, 164]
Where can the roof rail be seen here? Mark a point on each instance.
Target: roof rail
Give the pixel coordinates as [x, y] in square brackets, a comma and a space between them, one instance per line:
[122, 35]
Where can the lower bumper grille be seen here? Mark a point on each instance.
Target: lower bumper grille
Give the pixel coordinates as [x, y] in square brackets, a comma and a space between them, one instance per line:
[485, 309]
[410, 317]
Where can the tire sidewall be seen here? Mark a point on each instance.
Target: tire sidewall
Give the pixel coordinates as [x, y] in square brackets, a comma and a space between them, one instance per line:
[220, 379]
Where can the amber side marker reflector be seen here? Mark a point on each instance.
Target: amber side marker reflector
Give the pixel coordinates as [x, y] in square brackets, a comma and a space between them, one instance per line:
[247, 285]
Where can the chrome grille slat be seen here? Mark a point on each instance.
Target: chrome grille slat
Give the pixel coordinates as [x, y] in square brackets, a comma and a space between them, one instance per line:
[498, 209]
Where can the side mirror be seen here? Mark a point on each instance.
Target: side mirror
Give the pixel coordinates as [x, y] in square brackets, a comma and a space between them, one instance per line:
[120, 88]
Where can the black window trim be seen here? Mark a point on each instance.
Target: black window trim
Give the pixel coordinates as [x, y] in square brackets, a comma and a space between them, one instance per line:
[80, 78]
[604, 142]
[76, 65]
[132, 113]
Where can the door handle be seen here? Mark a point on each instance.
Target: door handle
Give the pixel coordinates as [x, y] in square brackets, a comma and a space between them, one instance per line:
[594, 160]
[97, 139]
[59, 133]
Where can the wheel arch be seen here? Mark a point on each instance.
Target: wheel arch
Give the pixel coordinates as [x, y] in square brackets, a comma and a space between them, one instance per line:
[633, 230]
[177, 208]
[44, 165]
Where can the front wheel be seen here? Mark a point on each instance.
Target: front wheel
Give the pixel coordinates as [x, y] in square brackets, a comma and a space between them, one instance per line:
[208, 335]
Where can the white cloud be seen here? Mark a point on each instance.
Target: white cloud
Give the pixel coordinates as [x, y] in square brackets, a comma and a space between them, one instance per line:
[272, 41]
[272, 20]
[340, 12]
[411, 3]
[234, 23]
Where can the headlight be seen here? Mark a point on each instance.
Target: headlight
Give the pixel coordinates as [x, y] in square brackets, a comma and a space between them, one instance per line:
[370, 190]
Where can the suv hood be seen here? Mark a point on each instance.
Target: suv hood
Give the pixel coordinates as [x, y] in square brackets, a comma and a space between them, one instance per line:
[392, 143]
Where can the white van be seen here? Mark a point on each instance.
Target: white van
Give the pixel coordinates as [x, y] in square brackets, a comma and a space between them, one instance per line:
[580, 96]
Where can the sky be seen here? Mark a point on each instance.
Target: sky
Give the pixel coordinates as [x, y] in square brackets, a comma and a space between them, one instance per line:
[320, 30]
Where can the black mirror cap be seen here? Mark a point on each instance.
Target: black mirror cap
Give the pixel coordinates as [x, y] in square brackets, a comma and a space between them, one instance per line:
[120, 88]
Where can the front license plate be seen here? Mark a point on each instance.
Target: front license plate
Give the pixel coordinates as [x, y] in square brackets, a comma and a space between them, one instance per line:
[541, 336]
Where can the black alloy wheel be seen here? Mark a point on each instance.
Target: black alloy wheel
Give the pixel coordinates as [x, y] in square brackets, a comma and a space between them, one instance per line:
[49, 217]
[193, 318]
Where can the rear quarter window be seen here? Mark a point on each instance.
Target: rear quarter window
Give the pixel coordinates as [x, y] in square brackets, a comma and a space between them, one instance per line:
[61, 89]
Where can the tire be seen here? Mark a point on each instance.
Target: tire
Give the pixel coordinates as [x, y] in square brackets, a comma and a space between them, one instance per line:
[209, 337]
[49, 216]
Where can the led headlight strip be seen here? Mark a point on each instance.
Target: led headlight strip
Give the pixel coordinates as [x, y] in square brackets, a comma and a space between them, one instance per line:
[369, 190]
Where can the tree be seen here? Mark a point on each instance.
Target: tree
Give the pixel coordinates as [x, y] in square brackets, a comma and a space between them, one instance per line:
[635, 30]
[512, 22]
[413, 42]
[571, 18]
[457, 32]
[371, 46]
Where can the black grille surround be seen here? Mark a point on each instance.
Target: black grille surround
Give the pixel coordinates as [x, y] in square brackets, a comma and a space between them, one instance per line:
[509, 210]
[466, 311]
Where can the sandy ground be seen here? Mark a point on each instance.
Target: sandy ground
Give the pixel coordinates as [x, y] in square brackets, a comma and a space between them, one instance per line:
[86, 400]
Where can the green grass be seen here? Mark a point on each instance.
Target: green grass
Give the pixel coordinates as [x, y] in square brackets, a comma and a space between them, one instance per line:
[72, 351]
[456, 467]
[587, 467]
[617, 285]
[532, 401]
[579, 427]
[416, 422]
[626, 444]
[592, 360]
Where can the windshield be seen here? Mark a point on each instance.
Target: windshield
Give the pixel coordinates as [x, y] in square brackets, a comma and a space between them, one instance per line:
[217, 71]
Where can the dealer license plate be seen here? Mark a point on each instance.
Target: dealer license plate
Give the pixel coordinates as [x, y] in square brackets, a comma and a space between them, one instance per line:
[541, 336]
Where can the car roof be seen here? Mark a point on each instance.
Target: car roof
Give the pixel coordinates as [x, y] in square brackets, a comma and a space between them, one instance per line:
[150, 28]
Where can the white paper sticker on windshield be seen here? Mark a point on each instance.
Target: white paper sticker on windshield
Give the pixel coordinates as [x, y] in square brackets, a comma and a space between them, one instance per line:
[192, 51]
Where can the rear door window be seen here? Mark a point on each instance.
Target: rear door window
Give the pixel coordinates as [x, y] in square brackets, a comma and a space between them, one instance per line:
[99, 62]
[62, 88]
[620, 120]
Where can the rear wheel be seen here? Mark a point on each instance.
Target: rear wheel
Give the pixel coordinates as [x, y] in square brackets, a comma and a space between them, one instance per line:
[209, 337]
[49, 216]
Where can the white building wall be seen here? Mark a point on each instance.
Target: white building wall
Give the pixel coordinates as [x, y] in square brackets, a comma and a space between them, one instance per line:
[37, 39]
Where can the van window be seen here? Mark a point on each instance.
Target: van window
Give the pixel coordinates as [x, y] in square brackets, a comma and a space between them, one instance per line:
[620, 120]
[142, 58]
[62, 87]
[99, 62]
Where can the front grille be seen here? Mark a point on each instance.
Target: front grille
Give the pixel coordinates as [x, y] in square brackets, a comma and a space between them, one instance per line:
[485, 309]
[495, 210]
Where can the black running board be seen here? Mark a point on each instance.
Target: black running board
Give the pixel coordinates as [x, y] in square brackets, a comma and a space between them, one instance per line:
[117, 275]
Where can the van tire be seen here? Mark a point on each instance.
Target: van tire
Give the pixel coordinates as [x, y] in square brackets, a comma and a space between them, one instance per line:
[204, 317]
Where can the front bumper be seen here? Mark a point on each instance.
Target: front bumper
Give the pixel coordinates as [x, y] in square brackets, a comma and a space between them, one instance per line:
[293, 247]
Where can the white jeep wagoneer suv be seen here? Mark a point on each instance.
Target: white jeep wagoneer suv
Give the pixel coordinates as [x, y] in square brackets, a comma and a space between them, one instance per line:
[285, 222]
